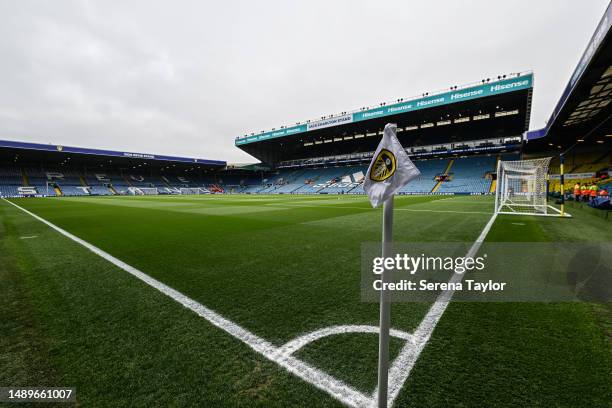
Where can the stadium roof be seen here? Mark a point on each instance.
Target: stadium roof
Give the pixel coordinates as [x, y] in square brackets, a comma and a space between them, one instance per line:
[58, 153]
[583, 111]
[487, 109]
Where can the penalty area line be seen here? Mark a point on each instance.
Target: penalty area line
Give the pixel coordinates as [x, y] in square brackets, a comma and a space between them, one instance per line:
[334, 387]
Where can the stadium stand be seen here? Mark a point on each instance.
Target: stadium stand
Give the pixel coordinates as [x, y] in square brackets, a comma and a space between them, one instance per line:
[584, 167]
[38, 178]
[449, 175]
[469, 175]
[10, 181]
[425, 183]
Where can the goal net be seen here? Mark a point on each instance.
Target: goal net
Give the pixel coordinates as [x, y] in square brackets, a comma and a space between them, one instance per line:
[194, 190]
[521, 187]
[143, 191]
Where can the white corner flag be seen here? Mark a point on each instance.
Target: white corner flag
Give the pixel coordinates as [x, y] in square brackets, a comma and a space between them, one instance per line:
[390, 168]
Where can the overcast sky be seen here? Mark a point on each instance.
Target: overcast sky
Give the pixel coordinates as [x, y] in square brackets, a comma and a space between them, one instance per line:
[186, 77]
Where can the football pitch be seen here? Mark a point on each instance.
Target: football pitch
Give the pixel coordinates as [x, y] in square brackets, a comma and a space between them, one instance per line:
[225, 301]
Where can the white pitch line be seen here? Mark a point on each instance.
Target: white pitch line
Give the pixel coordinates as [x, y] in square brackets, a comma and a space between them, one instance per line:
[408, 356]
[332, 206]
[336, 388]
[456, 201]
[444, 211]
[294, 345]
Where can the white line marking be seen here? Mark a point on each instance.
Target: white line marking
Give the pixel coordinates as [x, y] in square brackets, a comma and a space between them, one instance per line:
[408, 356]
[29, 237]
[462, 202]
[316, 377]
[444, 211]
[299, 342]
[367, 208]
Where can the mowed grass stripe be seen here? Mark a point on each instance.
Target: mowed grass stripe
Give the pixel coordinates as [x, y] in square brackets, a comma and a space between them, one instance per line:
[117, 341]
[344, 316]
[279, 274]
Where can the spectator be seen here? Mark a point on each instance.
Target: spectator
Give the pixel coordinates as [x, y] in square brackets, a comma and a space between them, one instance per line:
[577, 192]
[584, 192]
[593, 191]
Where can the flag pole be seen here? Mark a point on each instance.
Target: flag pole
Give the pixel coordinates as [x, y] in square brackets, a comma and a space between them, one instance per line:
[385, 307]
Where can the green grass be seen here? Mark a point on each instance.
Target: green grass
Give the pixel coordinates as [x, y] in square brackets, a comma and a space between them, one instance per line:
[280, 266]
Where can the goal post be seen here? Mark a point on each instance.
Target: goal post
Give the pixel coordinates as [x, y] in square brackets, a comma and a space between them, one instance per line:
[522, 188]
[143, 191]
[193, 190]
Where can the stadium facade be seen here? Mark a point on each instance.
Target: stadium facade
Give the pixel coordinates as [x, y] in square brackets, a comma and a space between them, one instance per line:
[455, 136]
[487, 109]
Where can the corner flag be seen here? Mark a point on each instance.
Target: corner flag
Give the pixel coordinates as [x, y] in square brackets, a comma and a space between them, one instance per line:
[390, 168]
[389, 171]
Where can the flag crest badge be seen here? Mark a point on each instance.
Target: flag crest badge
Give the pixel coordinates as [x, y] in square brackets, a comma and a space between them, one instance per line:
[384, 166]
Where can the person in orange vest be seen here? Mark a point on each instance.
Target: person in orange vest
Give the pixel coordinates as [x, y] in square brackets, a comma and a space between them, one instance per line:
[603, 192]
[593, 191]
[577, 192]
[584, 192]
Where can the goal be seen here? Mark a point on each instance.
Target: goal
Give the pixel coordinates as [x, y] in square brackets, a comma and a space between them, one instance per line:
[521, 188]
[194, 190]
[143, 191]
